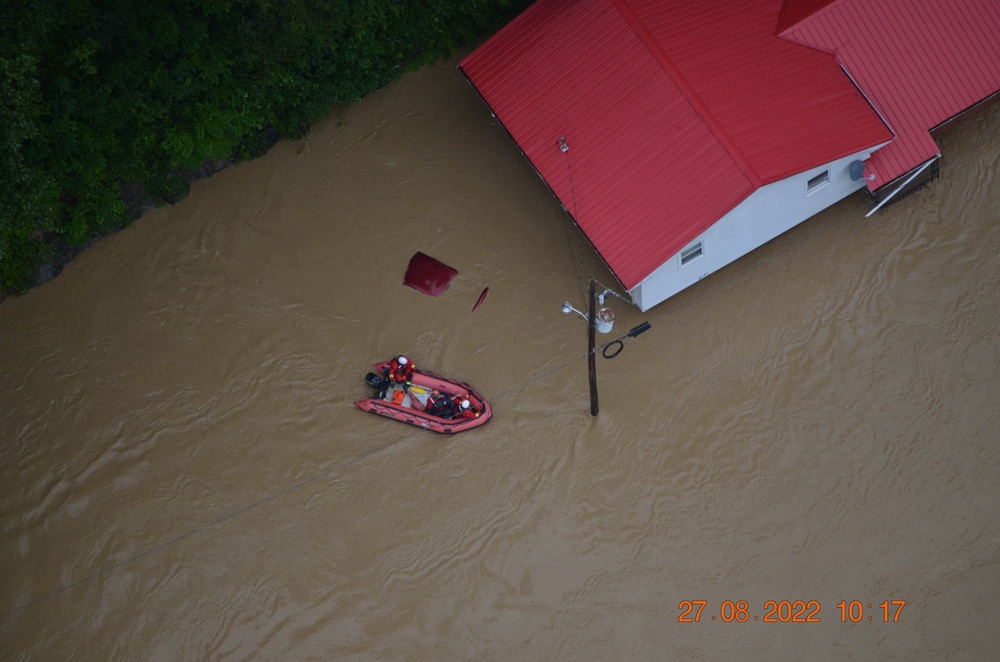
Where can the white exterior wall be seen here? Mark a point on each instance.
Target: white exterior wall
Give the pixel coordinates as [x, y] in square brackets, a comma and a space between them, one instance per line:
[768, 212]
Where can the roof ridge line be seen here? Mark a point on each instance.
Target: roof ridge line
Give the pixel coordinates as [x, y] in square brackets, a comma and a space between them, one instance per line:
[699, 106]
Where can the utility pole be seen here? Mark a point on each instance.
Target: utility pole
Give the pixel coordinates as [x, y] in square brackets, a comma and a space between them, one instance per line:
[607, 317]
[591, 343]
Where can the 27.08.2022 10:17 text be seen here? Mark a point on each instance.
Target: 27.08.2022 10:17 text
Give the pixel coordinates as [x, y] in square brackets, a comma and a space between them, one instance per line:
[785, 611]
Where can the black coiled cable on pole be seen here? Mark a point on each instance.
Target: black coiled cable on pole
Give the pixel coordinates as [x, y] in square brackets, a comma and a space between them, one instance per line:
[619, 345]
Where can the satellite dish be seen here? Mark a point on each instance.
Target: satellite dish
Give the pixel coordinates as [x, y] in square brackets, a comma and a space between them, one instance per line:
[857, 170]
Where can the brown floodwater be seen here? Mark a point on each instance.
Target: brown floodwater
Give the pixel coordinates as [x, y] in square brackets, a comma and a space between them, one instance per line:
[185, 475]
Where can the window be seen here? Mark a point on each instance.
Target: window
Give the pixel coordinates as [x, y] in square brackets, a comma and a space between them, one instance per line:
[691, 253]
[818, 181]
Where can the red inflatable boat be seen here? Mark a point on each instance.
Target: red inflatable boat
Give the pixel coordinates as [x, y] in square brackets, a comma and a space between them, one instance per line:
[411, 406]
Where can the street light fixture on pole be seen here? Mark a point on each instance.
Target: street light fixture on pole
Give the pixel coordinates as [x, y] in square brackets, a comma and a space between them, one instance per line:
[602, 321]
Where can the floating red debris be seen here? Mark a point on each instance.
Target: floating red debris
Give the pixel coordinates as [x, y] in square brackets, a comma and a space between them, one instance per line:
[427, 275]
[481, 297]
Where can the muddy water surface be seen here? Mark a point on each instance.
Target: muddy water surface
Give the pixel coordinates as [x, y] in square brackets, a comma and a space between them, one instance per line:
[183, 474]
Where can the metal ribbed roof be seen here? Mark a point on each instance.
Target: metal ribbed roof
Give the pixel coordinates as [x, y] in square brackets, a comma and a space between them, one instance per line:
[920, 62]
[796, 10]
[673, 112]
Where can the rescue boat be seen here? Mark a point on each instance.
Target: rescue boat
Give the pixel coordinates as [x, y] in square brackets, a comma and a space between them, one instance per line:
[411, 405]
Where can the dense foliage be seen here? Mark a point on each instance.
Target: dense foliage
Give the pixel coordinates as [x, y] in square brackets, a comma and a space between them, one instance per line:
[103, 97]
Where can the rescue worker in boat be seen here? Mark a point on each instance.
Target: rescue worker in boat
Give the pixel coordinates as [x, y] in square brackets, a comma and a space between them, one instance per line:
[440, 405]
[401, 372]
[464, 409]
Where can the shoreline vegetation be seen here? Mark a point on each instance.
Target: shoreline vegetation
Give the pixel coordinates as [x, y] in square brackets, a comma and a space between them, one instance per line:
[109, 109]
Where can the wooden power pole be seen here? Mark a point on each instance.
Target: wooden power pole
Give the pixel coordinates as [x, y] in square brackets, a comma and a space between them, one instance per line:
[592, 353]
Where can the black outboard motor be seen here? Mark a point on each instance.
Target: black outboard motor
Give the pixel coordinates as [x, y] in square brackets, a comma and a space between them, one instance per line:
[380, 385]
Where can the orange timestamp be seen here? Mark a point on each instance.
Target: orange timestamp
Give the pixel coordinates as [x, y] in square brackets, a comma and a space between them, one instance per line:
[789, 611]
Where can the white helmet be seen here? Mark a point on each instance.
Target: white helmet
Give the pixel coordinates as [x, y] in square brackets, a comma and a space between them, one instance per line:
[465, 404]
[403, 360]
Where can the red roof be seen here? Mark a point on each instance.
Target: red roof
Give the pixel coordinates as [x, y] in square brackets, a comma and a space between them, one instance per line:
[920, 62]
[796, 10]
[673, 112]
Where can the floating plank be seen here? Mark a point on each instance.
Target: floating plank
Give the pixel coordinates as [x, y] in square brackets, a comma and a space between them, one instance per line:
[481, 297]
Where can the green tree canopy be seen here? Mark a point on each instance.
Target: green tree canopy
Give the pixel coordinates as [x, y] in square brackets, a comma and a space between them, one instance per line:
[101, 96]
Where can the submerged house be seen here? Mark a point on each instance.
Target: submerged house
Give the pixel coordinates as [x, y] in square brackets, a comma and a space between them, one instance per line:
[683, 134]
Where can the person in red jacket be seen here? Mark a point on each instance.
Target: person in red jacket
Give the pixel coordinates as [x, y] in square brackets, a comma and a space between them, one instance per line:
[463, 408]
[401, 372]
